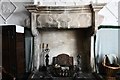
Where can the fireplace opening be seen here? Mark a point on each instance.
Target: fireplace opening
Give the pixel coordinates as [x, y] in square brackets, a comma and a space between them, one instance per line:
[68, 41]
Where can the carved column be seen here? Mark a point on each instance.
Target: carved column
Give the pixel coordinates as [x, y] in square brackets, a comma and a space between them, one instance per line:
[97, 19]
[36, 34]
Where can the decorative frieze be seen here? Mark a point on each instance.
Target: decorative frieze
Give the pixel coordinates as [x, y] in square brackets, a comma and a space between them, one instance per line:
[65, 16]
[64, 20]
[7, 8]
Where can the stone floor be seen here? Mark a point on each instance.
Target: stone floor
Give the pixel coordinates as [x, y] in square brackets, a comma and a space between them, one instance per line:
[79, 76]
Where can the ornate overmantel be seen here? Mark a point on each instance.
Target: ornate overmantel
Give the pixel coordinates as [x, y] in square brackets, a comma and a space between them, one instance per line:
[65, 17]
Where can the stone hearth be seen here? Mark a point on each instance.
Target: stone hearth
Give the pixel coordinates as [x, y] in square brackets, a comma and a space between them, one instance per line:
[66, 29]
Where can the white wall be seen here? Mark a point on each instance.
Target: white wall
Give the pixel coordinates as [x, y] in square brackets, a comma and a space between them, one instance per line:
[106, 42]
[14, 12]
[119, 13]
[119, 46]
[110, 13]
[119, 30]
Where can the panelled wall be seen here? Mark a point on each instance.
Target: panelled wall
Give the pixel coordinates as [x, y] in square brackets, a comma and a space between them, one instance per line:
[0, 46]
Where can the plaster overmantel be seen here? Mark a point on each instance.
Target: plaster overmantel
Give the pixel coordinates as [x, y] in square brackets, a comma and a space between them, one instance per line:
[82, 16]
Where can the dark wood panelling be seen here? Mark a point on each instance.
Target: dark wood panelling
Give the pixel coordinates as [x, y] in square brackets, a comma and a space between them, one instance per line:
[13, 59]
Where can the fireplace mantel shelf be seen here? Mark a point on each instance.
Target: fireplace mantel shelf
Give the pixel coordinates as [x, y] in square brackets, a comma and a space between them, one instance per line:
[88, 7]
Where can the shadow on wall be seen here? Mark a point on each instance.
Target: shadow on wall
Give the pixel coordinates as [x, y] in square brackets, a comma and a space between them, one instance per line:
[119, 45]
[119, 31]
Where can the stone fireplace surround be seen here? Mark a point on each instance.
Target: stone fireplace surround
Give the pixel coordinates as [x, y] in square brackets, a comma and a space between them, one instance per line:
[66, 29]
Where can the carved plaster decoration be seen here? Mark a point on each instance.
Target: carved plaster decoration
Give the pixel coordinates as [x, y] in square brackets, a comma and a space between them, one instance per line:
[50, 20]
[27, 22]
[85, 20]
[2, 20]
[80, 20]
[64, 20]
[47, 20]
[69, 20]
[7, 8]
[75, 22]
[39, 19]
[37, 37]
[37, 52]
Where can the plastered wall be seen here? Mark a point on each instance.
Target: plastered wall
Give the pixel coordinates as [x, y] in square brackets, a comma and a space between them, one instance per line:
[14, 12]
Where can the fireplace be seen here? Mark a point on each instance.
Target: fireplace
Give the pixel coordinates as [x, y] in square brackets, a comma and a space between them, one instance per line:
[66, 29]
